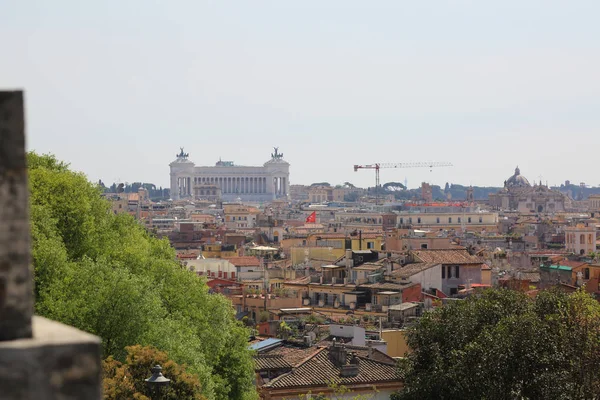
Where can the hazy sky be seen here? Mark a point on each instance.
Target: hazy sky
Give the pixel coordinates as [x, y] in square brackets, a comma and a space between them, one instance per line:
[116, 87]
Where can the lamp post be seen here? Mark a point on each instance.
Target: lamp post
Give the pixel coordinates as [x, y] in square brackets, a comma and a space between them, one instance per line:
[157, 382]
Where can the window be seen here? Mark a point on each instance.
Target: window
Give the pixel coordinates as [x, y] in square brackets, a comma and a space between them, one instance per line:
[401, 221]
[586, 274]
[437, 220]
[457, 272]
[424, 246]
[459, 221]
[370, 245]
[449, 272]
[449, 220]
[480, 220]
[443, 272]
[419, 220]
[410, 220]
[453, 291]
[469, 220]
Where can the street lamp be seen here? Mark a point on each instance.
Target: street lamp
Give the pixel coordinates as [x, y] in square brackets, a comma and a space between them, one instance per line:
[157, 382]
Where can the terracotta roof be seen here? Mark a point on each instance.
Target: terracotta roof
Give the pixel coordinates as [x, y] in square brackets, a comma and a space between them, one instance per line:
[361, 351]
[320, 370]
[292, 355]
[368, 267]
[411, 269]
[572, 263]
[343, 236]
[388, 285]
[244, 261]
[270, 361]
[533, 277]
[446, 256]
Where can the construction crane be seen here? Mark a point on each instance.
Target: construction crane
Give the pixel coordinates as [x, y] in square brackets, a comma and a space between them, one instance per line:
[378, 166]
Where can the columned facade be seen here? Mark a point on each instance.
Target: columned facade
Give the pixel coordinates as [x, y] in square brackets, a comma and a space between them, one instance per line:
[266, 183]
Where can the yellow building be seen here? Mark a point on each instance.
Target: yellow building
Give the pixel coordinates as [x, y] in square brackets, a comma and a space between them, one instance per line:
[218, 250]
[332, 246]
[397, 345]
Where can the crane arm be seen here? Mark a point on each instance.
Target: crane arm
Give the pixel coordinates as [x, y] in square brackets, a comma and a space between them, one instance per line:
[422, 164]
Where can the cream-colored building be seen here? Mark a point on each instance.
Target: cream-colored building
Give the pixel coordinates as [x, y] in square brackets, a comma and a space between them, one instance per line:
[594, 204]
[252, 184]
[518, 194]
[451, 220]
[540, 199]
[580, 239]
[320, 194]
[239, 216]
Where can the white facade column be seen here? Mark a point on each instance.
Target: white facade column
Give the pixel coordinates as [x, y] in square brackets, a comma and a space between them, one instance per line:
[174, 189]
[270, 186]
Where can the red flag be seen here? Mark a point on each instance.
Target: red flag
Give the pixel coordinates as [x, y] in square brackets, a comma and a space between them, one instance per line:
[312, 218]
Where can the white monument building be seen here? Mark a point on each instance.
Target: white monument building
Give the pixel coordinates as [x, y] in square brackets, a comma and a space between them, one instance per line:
[250, 184]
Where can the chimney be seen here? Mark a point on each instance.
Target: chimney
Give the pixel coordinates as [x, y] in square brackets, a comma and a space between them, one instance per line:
[338, 354]
[352, 368]
[370, 349]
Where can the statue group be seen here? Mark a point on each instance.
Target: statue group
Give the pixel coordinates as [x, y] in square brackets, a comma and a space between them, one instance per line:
[182, 154]
[276, 155]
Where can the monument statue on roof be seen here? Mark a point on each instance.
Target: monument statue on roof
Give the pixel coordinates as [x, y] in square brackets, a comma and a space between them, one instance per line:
[182, 154]
[276, 155]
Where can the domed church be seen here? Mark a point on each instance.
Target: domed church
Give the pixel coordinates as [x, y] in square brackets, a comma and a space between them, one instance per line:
[517, 180]
[519, 195]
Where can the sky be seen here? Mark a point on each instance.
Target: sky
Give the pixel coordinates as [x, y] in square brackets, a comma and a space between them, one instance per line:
[116, 87]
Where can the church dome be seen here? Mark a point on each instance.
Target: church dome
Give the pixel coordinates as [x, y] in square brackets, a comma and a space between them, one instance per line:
[517, 180]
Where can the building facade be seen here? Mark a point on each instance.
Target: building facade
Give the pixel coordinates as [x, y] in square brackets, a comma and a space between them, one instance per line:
[518, 194]
[580, 239]
[232, 182]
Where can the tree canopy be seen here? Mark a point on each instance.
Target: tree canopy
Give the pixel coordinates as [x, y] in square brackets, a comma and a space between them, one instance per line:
[504, 345]
[127, 380]
[105, 274]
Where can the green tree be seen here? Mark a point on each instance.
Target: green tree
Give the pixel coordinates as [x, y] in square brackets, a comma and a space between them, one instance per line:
[127, 380]
[351, 197]
[105, 274]
[504, 345]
